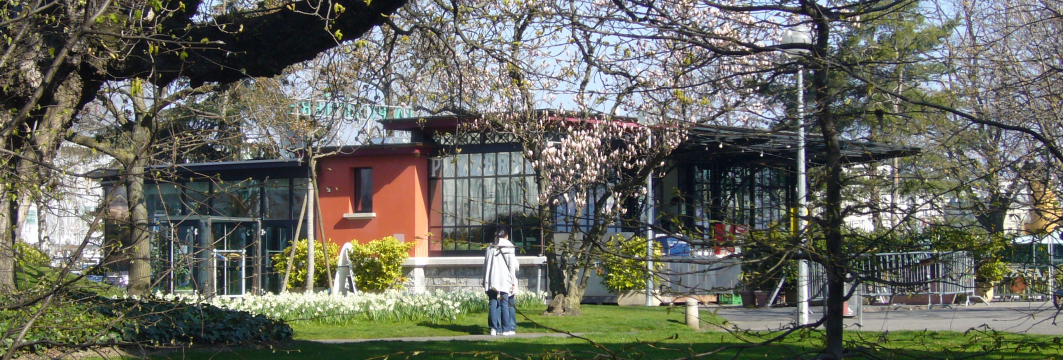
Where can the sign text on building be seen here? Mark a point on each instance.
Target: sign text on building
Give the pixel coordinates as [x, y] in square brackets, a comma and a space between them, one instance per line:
[338, 109]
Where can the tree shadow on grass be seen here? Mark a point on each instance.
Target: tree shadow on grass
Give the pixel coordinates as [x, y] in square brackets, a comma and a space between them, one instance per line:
[925, 345]
[573, 349]
[625, 346]
[467, 329]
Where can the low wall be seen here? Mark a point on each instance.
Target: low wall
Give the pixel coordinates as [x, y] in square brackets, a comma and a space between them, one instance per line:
[467, 273]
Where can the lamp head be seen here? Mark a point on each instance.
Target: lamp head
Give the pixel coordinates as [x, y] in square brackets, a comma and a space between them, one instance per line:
[799, 34]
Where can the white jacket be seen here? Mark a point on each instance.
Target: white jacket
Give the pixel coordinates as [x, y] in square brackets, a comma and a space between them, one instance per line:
[500, 267]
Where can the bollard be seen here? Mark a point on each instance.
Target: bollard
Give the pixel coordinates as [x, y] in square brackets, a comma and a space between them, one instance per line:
[693, 320]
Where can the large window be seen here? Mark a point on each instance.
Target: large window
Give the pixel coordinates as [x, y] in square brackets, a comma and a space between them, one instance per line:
[477, 193]
[570, 218]
[277, 195]
[235, 203]
[363, 190]
[752, 196]
[163, 200]
[237, 199]
[240, 199]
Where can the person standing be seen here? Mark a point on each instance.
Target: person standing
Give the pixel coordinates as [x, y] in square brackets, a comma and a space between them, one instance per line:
[500, 284]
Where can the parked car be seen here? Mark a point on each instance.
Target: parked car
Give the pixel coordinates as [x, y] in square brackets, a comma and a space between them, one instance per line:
[673, 245]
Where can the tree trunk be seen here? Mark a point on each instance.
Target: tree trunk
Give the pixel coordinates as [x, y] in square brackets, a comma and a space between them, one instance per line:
[567, 302]
[310, 221]
[875, 201]
[836, 262]
[140, 236]
[7, 240]
[574, 271]
[557, 261]
[25, 178]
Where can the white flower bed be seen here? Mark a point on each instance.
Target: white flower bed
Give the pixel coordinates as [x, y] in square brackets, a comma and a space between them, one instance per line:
[346, 309]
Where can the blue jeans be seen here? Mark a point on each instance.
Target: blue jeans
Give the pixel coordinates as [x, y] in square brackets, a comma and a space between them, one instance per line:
[500, 315]
[510, 321]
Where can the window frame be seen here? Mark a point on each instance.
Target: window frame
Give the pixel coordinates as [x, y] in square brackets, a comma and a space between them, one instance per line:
[363, 190]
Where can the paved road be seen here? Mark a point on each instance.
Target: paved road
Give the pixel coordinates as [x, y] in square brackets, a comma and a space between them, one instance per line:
[1019, 317]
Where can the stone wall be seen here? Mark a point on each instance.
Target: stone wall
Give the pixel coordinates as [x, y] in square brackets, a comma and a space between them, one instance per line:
[467, 273]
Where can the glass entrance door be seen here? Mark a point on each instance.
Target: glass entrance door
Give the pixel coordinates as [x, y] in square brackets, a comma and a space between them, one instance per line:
[234, 256]
[172, 256]
[275, 239]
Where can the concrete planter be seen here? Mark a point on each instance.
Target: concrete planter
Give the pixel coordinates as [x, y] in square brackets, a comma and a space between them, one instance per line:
[984, 290]
[753, 298]
[635, 298]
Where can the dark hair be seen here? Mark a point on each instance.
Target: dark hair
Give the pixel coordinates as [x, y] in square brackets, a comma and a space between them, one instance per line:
[501, 233]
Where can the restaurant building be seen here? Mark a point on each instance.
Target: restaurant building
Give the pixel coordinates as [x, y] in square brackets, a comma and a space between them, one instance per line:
[218, 224]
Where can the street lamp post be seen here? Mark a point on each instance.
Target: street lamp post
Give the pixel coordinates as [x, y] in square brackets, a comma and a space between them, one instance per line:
[649, 233]
[800, 35]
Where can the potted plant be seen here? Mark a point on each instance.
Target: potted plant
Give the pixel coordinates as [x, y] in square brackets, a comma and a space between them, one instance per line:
[624, 269]
[760, 279]
[989, 273]
[987, 251]
[989, 265]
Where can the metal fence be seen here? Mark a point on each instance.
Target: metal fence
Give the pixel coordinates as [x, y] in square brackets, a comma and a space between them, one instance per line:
[937, 276]
[1026, 282]
[699, 274]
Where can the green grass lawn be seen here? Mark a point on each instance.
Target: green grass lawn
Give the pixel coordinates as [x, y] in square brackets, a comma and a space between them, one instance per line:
[609, 332]
[596, 319]
[43, 277]
[643, 345]
[629, 332]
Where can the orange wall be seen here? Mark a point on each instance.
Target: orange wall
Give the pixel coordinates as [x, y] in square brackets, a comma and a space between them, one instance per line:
[400, 196]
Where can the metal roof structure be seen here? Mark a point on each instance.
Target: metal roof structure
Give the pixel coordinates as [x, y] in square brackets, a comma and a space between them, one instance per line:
[705, 144]
[708, 143]
[247, 167]
[771, 147]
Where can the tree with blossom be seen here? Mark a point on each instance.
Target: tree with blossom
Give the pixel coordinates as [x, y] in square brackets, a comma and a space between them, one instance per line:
[588, 168]
[57, 55]
[503, 63]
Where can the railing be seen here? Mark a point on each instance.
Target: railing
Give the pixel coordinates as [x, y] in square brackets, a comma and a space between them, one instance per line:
[1025, 282]
[887, 275]
[698, 275]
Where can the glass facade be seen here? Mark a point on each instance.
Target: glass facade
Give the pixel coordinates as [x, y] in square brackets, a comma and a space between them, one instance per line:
[569, 218]
[276, 205]
[476, 193]
[218, 236]
[237, 199]
[758, 197]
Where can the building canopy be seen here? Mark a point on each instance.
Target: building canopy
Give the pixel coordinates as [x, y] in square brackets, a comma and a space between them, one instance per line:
[709, 143]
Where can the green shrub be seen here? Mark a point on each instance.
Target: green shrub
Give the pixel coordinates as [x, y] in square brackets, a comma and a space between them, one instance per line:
[377, 265]
[624, 263]
[297, 278]
[991, 271]
[155, 322]
[163, 322]
[69, 320]
[80, 317]
[988, 250]
[29, 255]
